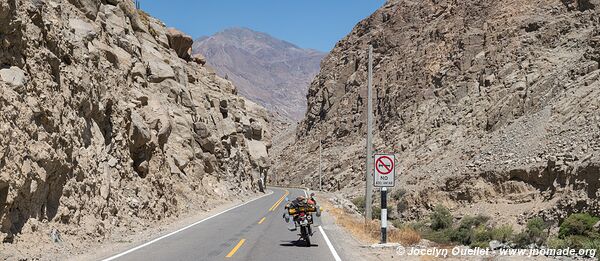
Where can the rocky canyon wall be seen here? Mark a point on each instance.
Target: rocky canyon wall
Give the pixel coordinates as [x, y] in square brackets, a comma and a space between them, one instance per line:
[490, 106]
[107, 122]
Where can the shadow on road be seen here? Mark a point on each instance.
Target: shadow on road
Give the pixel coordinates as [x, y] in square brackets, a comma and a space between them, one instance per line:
[296, 243]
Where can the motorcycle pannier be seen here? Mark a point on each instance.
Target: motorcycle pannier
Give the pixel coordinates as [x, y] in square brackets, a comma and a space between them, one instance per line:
[296, 210]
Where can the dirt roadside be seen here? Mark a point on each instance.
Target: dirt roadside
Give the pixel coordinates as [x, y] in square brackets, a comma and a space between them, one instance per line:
[352, 244]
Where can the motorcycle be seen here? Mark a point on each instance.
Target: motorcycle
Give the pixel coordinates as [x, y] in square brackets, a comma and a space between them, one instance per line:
[302, 218]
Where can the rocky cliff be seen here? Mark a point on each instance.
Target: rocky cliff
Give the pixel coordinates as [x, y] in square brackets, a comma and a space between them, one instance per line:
[107, 122]
[491, 107]
[271, 72]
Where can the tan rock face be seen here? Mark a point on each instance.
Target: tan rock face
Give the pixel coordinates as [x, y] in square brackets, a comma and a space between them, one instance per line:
[484, 104]
[181, 43]
[102, 126]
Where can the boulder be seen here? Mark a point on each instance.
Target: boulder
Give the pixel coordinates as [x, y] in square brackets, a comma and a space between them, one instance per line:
[114, 54]
[201, 129]
[139, 133]
[181, 43]
[139, 70]
[115, 21]
[257, 149]
[134, 16]
[55, 235]
[495, 245]
[88, 7]
[256, 130]
[159, 33]
[210, 163]
[82, 29]
[142, 167]
[13, 76]
[209, 144]
[199, 59]
[160, 71]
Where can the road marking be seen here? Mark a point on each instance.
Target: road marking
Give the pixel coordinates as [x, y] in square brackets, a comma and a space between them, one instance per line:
[279, 201]
[333, 252]
[262, 220]
[175, 232]
[235, 249]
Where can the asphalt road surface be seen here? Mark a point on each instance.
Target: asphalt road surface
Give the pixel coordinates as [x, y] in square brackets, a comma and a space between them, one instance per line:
[252, 231]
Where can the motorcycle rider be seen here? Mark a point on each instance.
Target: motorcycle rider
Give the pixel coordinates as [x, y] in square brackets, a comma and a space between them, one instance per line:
[298, 202]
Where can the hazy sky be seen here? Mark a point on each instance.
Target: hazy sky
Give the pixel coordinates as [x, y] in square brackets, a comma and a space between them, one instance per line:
[316, 24]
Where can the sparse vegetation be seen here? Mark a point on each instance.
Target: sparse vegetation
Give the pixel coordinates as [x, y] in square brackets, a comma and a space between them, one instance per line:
[441, 218]
[503, 233]
[577, 231]
[466, 231]
[359, 202]
[580, 224]
[370, 232]
[534, 233]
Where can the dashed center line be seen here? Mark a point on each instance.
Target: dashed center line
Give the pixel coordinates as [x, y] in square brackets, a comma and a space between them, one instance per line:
[279, 201]
[235, 249]
[262, 220]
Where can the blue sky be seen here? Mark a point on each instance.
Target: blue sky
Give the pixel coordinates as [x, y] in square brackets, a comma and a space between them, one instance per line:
[316, 24]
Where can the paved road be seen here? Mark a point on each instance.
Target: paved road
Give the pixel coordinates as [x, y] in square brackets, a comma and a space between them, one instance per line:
[254, 231]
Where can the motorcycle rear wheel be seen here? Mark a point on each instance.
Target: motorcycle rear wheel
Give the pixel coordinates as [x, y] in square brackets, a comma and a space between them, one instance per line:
[305, 235]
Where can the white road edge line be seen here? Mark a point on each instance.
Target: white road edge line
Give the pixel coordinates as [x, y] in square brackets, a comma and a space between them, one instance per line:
[182, 229]
[331, 248]
[333, 252]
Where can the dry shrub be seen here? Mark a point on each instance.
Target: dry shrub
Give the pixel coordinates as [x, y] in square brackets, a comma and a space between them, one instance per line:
[370, 232]
[406, 236]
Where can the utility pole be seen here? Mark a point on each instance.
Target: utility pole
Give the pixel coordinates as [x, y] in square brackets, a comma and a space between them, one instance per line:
[320, 161]
[369, 173]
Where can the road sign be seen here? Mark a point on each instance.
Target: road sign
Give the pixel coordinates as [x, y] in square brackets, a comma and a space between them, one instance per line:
[385, 170]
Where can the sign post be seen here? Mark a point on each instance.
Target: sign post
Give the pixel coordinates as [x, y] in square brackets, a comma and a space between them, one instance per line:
[385, 174]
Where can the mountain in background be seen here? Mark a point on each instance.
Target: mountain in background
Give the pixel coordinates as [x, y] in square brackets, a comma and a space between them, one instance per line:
[269, 71]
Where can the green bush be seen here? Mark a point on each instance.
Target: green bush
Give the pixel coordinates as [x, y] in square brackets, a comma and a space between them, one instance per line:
[577, 232]
[580, 224]
[481, 236]
[359, 202]
[465, 233]
[503, 233]
[575, 242]
[535, 232]
[441, 218]
[556, 243]
[376, 212]
[469, 222]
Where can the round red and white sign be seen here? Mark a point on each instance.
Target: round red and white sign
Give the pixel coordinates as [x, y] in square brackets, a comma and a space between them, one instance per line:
[384, 165]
